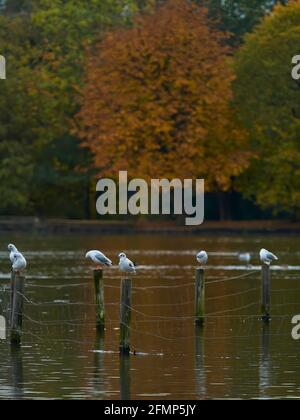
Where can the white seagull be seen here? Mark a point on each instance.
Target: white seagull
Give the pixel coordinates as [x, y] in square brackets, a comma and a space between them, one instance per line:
[267, 257]
[98, 258]
[202, 257]
[12, 250]
[125, 264]
[245, 257]
[18, 260]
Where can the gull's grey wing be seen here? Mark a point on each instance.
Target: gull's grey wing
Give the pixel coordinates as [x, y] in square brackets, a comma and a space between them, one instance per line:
[271, 256]
[102, 258]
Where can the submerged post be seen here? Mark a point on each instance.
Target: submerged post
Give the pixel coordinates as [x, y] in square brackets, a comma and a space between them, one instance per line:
[125, 316]
[17, 293]
[265, 295]
[99, 298]
[200, 297]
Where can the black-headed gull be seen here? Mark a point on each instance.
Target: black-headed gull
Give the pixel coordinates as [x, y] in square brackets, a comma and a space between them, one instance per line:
[125, 264]
[267, 257]
[98, 258]
[17, 259]
[202, 257]
[245, 257]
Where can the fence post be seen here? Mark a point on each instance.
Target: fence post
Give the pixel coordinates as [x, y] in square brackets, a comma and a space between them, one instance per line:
[200, 297]
[99, 298]
[125, 316]
[17, 292]
[265, 296]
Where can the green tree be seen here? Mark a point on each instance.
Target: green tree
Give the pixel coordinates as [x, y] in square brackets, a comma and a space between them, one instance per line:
[44, 42]
[19, 125]
[235, 16]
[268, 100]
[239, 16]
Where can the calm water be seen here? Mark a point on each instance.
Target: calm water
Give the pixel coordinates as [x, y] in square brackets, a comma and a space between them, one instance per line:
[234, 356]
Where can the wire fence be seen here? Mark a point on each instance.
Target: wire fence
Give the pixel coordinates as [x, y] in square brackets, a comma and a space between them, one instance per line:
[162, 312]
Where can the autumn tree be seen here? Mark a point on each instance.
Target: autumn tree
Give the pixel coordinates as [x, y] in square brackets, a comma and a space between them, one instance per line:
[235, 16]
[157, 100]
[268, 103]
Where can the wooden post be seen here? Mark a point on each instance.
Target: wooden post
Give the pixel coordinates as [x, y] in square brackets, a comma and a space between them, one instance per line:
[265, 296]
[200, 297]
[125, 316]
[18, 284]
[12, 290]
[99, 298]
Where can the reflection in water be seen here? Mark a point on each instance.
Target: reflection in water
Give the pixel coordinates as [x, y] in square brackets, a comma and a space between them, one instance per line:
[199, 362]
[17, 372]
[264, 363]
[62, 360]
[125, 378]
[2, 328]
[99, 364]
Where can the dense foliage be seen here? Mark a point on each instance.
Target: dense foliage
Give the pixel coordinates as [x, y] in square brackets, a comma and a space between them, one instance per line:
[268, 103]
[148, 84]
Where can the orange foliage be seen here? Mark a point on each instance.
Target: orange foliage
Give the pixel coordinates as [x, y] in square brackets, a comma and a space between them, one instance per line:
[157, 100]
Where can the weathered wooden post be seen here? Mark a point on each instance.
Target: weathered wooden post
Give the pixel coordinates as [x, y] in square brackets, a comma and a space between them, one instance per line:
[125, 316]
[200, 297]
[265, 294]
[99, 298]
[17, 293]
[12, 289]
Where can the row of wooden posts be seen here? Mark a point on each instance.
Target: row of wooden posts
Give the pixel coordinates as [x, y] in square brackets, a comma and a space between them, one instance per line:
[17, 299]
[126, 300]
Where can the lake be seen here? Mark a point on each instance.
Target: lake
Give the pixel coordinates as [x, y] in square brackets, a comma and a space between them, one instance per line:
[234, 356]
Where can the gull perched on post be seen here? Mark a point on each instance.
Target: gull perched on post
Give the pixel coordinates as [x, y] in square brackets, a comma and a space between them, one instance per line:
[202, 257]
[267, 257]
[98, 258]
[17, 259]
[125, 264]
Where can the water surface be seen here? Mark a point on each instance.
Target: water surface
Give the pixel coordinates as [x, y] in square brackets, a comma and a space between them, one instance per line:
[233, 356]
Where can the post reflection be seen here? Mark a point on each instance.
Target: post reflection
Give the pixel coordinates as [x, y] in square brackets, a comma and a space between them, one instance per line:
[125, 378]
[264, 363]
[16, 372]
[98, 388]
[199, 363]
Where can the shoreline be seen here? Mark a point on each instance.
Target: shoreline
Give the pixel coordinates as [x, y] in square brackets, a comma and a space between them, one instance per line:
[95, 227]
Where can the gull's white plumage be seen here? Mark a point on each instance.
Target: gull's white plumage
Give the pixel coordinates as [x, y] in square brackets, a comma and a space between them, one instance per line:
[19, 262]
[125, 264]
[267, 257]
[98, 258]
[17, 259]
[12, 251]
[202, 257]
[245, 257]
